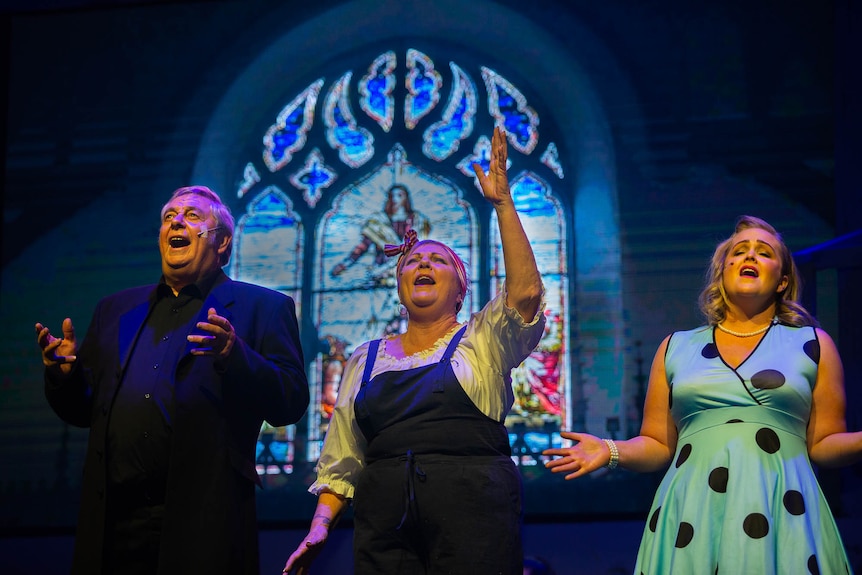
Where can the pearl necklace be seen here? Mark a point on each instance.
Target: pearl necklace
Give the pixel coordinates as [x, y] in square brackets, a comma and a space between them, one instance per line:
[750, 334]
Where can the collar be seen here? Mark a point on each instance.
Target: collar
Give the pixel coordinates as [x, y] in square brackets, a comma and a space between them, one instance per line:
[199, 289]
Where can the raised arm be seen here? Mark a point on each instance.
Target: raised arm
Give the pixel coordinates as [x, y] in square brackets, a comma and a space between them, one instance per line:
[523, 282]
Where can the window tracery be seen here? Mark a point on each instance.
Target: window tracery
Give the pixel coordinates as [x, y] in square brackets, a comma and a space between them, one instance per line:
[350, 297]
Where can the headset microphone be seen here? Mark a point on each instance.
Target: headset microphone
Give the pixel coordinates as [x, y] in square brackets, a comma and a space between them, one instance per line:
[204, 233]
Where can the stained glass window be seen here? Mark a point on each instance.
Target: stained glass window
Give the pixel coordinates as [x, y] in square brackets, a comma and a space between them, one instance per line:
[363, 178]
[269, 246]
[542, 381]
[355, 298]
[268, 251]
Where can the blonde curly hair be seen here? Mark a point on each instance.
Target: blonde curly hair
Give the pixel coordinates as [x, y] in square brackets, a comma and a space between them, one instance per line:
[788, 310]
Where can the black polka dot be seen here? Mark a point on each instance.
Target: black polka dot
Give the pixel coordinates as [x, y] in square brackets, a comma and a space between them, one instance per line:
[684, 535]
[653, 520]
[683, 454]
[768, 379]
[718, 479]
[812, 565]
[756, 525]
[767, 440]
[794, 502]
[812, 350]
[709, 351]
[734, 421]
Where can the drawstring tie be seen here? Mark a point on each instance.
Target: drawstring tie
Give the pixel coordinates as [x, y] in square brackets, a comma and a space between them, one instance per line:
[411, 470]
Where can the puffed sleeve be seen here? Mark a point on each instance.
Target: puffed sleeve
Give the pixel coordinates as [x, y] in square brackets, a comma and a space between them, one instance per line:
[342, 458]
[497, 340]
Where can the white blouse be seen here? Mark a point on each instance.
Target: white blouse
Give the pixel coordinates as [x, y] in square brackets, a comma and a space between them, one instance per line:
[497, 340]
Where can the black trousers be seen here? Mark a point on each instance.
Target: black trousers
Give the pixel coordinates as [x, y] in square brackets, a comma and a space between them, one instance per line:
[133, 531]
[438, 515]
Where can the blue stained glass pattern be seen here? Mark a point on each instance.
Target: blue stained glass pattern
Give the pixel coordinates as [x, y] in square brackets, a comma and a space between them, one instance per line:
[531, 196]
[551, 158]
[509, 107]
[313, 178]
[250, 177]
[481, 155]
[527, 446]
[355, 145]
[275, 451]
[423, 84]
[268, 251]
[351, 297]
[268, 244]
[442, 138]
[375, 90]
[291, 127]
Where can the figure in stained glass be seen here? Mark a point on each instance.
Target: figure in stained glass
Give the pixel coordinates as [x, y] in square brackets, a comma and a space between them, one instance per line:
[387, 226]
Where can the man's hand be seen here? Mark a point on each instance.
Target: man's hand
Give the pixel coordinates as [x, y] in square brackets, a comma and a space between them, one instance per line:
[55, 350]
[218, 339]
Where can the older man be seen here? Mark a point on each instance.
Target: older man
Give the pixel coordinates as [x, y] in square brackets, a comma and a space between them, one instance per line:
[174, 381]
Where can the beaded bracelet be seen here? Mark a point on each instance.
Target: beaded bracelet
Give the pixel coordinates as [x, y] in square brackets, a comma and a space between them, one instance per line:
[615, 454]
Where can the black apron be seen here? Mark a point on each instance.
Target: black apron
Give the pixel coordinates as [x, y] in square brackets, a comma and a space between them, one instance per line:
[440, 493]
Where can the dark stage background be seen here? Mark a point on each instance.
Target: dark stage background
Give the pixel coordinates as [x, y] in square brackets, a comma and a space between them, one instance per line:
[683, 114]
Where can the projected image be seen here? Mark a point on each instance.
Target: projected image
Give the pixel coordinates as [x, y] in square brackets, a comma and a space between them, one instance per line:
[345, 161]
[357, 300]
[330, 130]
[423, 181]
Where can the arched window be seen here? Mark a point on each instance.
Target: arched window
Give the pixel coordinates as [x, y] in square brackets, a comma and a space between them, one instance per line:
[346, 125]
[369, 160]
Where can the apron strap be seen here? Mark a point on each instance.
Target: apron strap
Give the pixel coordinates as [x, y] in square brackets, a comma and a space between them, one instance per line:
[453, 343]
[369, 362]
[437, 387]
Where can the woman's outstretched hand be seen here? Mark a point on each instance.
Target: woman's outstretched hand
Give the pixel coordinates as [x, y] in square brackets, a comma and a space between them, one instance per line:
[495, 184]
[587, 455]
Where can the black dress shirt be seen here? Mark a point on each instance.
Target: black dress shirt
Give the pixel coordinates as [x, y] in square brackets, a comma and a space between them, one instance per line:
[139, 430]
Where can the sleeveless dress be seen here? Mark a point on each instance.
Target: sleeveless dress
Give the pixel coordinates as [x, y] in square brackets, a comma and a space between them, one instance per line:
[740, 496]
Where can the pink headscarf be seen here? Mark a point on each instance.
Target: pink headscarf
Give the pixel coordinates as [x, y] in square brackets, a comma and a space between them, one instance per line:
[410, 242]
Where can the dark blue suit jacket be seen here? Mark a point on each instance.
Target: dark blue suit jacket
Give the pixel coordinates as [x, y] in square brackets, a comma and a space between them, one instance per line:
[210, 519]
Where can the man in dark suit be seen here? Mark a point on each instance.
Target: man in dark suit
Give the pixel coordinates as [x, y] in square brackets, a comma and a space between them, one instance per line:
[174, 381]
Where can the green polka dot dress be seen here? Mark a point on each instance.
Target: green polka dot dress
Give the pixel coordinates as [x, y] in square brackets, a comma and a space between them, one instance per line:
[740, 495]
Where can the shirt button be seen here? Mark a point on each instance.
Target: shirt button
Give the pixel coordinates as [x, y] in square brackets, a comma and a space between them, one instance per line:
[146, 395]
[155, 366]
[165, 338]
